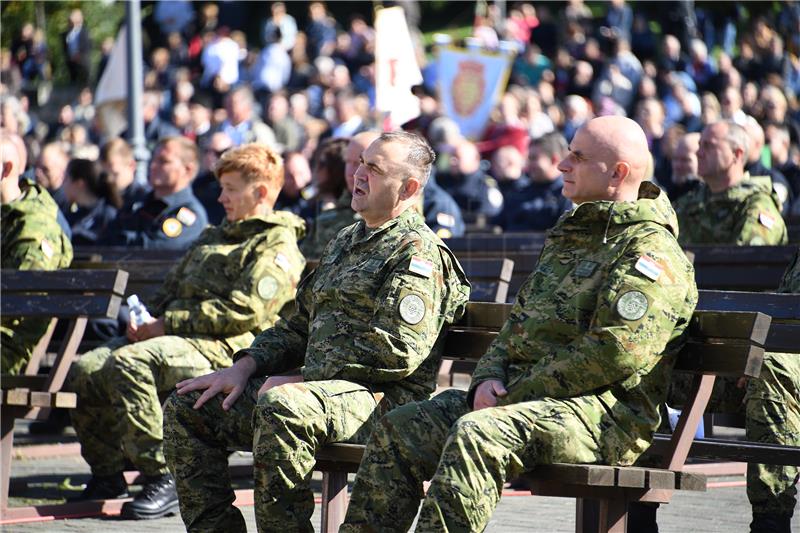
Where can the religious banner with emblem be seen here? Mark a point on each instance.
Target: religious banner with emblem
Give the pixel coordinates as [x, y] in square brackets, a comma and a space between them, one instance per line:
[396, 68]
[470, 85]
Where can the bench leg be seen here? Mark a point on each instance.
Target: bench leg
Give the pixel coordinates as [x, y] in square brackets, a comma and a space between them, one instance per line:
[334, 500]
[7, 426]
[600, 516]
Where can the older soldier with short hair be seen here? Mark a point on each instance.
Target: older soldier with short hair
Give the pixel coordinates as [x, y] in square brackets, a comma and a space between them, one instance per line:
[364, 335]
[578, 370]
[730, 207]
[228, 287]
[32, 239]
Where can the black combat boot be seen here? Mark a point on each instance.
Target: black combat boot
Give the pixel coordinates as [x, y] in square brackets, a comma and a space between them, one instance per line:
[158, 498]
[771, 523]
[104, 488]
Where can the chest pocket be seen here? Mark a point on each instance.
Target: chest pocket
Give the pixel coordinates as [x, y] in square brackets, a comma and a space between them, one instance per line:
[576, 295]
[210, 271]
[350, 286]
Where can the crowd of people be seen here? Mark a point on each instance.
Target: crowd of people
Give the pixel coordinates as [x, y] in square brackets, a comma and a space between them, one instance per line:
[254, 150]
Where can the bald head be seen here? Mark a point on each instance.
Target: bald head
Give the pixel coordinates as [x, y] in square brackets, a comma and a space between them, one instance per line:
[623, 141]
[608, 159]
[352, 155]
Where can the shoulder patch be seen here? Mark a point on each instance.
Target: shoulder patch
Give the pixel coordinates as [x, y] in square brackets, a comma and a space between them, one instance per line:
[649, 267]
[267, 287]
[47, 248]
[421, 266]
[412, 309]
[766, 220]
[444, 233]
[186, 216]
[495, 197]
[632, 305]
[172, 227]
[283, 262]
[585, 268]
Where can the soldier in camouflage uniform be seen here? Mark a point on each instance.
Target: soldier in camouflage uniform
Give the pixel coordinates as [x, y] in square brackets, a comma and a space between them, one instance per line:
[576, 373]
[365, 336]
[729, 207]
[32, 239]
[329, 223]
[229, 286]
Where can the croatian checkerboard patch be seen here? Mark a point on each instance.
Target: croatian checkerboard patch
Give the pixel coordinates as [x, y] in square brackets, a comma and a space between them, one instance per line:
[649, 267]
[421, 266]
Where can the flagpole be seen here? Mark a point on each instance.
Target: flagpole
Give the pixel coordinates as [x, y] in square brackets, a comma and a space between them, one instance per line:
[135, 84]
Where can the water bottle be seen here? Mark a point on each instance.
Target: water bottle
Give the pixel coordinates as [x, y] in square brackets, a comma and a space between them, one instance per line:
[139, 313]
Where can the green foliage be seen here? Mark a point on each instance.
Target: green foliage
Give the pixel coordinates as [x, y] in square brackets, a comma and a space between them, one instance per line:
[101, 18]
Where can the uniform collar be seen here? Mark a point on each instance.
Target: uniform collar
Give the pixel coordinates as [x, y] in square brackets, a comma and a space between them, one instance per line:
[409, 219]
[181, 197]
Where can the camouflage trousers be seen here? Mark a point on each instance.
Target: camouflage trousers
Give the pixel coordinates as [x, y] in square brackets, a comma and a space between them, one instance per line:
[466, 455]
[771, 405]
[119, 387]
[284, 428]
[18, 338]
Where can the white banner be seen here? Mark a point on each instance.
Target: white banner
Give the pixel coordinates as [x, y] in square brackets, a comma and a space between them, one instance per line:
[396, 68]
[111, 95]
[470, 85]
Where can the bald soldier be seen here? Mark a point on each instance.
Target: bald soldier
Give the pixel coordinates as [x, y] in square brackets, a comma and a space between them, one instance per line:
[593, 331]
[729, 207]
[364, 336]
[32, 239]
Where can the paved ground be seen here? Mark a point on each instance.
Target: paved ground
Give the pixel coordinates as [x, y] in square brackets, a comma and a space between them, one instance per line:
[723, 509]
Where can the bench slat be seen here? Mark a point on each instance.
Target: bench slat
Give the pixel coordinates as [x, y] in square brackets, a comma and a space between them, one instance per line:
[19, 281]
[744, 451]
[780, 306]
[751, 326]
[721, 360]
[783, 338]
[60, 305]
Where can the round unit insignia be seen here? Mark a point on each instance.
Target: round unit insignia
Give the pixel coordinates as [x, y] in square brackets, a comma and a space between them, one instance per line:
[632, 305]
[172, 227]
[267, 287]
[412, 309]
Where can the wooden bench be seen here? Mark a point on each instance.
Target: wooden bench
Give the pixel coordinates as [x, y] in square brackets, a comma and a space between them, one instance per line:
[720, 343]
[741, 268]
[73, 296]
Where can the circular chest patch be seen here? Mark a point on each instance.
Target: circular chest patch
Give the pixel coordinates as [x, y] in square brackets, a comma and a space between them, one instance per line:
[267, 287]
[632, 305]
[412, 309]
[172, 227]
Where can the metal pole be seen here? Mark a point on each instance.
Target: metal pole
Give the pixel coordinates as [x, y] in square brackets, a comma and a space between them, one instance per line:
[135, 85]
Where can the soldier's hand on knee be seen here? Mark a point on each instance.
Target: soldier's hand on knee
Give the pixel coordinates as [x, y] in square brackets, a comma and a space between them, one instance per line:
[487, 393]
[230, 381]
[276, 381]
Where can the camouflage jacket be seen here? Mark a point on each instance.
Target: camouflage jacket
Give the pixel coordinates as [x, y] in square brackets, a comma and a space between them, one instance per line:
[232, 283]
[32, 239]
[327, 225]
[600, 320]
[372, 312]
[746, 214]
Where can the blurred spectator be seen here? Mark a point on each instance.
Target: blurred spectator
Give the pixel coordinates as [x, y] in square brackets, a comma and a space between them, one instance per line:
[643, 40]
[651, 117]
[200, 129]
[93, 201]
[155, 126]
[76, 138]
[756, 167]
[206, 187]
[441, 211]
[330, 209]
[618, 21]
[779, 143]
[280, 23]
[538, 205]
[731, 105]
[242, 124]
[171, 217]
[348, 121]
[701, 67]
[576, 113]
[83, 108]
[13, 117]
[712, 111]
[105, 53]
[220, 61]
[117, 162]
[289, 134]
[529, 66]
[77, 48]
[173, 16]
[507, 168]
[321, 31]
[538, 121]
[50, 169]
[684, 175]
[473, 190]
[296, 192]
[273, 68]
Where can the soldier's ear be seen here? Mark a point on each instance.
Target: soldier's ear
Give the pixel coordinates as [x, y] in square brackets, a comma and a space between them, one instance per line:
[621, 171]
[410, 188]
